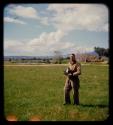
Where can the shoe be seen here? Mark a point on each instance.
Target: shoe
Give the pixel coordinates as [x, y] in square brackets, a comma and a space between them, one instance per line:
[75, 103]
[66, 103]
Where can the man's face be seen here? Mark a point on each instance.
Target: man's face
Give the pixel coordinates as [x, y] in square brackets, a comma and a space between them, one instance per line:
[71, 58]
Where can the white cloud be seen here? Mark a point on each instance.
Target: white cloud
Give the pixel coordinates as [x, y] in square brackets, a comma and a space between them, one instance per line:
[48, 38]
[13, 45]
[46, 44]
[92, 17]
[60, 8]
[12, 20]
[26, 12]
[84, 49]
[16, 47]
[44, 21]
[65, 17]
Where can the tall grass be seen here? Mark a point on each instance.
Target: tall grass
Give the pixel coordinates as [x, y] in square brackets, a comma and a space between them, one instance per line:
[38, 91]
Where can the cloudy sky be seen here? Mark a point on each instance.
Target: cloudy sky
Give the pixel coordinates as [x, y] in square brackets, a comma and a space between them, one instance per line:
[41, 29]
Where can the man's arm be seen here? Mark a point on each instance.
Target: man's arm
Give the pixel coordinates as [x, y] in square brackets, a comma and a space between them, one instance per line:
[78, 72]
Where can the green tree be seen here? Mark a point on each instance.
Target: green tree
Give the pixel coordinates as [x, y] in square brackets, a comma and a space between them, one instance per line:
[101, 51]
[57, 57]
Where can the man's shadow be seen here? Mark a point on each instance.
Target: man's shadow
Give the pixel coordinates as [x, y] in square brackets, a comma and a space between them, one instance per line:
[95, 105]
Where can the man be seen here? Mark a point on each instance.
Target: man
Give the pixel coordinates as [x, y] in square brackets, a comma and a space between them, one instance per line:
[72, 80]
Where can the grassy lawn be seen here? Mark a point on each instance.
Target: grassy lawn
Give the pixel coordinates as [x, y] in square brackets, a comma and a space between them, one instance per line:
[38, 90]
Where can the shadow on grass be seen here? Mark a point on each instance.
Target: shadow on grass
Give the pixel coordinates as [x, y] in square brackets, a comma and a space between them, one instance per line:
[95, 105]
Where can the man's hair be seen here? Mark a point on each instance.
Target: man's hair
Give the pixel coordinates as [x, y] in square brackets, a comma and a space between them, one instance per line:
[73, 54]
[73, 57]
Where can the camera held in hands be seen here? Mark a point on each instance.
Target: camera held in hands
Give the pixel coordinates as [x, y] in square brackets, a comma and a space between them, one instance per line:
[68, 72]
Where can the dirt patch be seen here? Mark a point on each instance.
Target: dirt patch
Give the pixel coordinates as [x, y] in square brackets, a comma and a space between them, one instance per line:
[73, 114]
[35, 118]
[11, 118]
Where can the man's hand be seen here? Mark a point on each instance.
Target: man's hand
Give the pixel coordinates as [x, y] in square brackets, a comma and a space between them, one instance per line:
[70, 75]
[65, 73]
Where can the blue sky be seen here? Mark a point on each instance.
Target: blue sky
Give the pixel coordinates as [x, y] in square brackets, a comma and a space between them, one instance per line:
[41, 29]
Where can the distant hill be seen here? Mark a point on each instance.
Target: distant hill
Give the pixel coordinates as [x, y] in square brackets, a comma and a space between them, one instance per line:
[27, 57]
[92, 53]
[40, 57]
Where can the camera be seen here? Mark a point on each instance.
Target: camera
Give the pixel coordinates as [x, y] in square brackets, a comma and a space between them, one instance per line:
[68, 72]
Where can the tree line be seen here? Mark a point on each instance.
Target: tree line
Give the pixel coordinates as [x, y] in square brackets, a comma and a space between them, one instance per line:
[58, 58]
[101, 51]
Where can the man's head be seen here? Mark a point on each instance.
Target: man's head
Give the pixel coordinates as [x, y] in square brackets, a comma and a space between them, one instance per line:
[72, 58]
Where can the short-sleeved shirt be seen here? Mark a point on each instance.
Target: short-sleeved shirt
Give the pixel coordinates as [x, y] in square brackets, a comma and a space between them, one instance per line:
[73, 67]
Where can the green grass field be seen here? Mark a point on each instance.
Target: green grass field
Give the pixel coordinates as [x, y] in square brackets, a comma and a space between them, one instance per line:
[38, 90]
